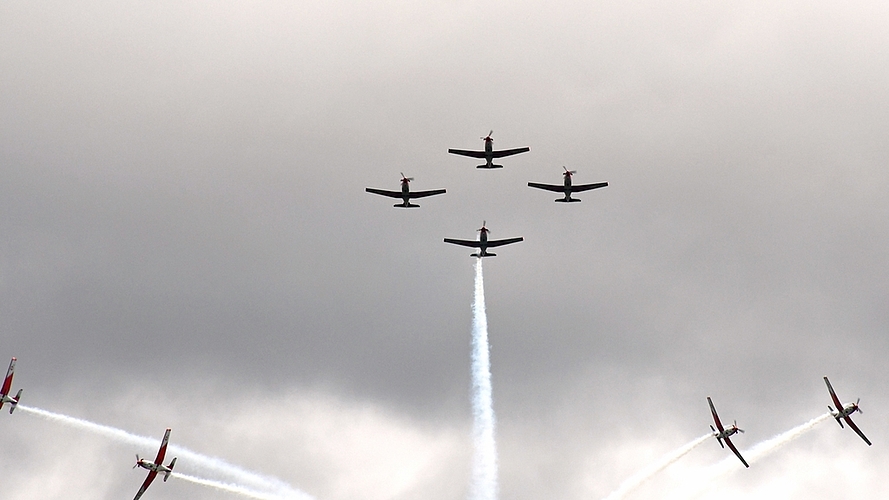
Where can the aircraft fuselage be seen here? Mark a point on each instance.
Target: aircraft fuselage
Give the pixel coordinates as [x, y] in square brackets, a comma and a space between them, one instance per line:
[145, 464]
[489, 152]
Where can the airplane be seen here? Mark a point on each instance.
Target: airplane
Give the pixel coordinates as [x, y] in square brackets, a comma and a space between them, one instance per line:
[723, 434]
[483, 242]
[489, 154]
[567, 187]
[7, 386]
[405, 194]
[843, 412]
[156, 466]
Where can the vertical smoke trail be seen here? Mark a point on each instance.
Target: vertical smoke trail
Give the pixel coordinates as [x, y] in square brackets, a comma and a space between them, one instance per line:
[637, 479]
[758, 452]
[187, 457]
[484, 471]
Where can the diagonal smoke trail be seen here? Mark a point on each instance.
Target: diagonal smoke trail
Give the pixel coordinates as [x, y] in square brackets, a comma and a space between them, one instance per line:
[231, 488]
[758, 452]
[250, 480]
[484, 470]
[639, 478]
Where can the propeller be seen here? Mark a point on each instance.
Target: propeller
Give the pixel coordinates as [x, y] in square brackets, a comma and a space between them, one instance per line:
[569, 173]
[488, 137]
[483, 228]
[137, 461]
[738, 428]
[856, 405]
[405, 179]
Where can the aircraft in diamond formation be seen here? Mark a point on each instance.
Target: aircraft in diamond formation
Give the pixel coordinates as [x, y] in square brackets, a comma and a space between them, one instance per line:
[405, 194]
[7, 386]
[567, 188]
[489, 154]
[843, 412]
[723, 434]
[483, 242]
[155, 467]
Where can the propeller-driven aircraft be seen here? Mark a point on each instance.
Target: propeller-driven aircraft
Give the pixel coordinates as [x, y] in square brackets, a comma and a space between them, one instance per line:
[7, 386]
[567, 187]
[489, 154]
[843, 412]
[483, 242]
[722, 434]
[156, 466]
[405, 194]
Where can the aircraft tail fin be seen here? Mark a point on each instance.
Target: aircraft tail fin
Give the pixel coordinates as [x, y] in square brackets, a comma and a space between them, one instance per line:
[15, 402]
[172, 464]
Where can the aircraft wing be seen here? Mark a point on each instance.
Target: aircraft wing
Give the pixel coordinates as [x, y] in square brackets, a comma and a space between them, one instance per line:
[507, 152]
[716, 418]
[833, 396]
[549, 187]
[507, 241]
[163, 449]
[146, 484]
[586, 187]
[856, 429]
[465, 243]
[391, 194]
[423, 194]
[463, 152]
[7, 382]
[732, 446]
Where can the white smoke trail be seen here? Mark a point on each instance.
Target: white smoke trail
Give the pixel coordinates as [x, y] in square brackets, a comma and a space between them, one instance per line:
[249, 480]
[484, 472]
[639, 478]
[758, 452]
[231, 488]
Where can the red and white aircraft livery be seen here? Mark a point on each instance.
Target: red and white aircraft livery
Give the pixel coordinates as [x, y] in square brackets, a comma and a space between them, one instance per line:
[405, 194]
[156, 466]
[567, 187]
[723, 434]
[483, 242]
[489, 154]
[7, 386]
[843, 412]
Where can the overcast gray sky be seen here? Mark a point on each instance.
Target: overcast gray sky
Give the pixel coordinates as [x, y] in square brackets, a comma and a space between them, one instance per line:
[186, 241]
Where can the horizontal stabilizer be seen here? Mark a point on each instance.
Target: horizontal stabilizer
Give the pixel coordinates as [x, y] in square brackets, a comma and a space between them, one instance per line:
[409, 205]
[563, 200]
[16, 402]
[489, 166]
[483, 255]
[172, 464]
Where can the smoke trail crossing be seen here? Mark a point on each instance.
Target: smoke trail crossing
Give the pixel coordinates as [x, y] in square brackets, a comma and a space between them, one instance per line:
[758, 452]
[639, 478]
[246, 479]
[484, 472]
